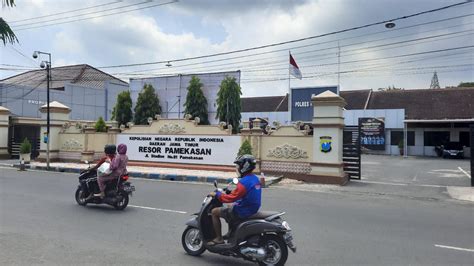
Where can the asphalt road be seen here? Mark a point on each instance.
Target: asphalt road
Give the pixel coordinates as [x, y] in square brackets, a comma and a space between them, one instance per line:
[40, 223]
[417, 170]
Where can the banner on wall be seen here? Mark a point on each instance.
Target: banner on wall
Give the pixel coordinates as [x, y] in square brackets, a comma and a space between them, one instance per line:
[192, 149]
[372, 133]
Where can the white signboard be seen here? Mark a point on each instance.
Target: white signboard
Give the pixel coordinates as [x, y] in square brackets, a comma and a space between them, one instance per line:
[193, 149]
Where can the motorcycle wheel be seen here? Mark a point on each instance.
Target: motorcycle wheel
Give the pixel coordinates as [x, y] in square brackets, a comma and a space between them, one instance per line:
[122, 204]
[277, 251]
[192, 247]
[81, 197]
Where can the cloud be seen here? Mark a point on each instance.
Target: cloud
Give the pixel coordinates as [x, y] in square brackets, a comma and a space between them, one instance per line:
[188, 28]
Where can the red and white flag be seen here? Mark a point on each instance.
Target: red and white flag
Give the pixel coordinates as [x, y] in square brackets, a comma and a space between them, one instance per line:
[294, 69]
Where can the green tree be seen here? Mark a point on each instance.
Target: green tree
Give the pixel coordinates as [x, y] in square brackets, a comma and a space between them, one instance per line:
[245, 148]
[196, 102]
[228, 103]
[466, 84]
[148, 105]
[100, 125]
[122, 112]
[6, 33]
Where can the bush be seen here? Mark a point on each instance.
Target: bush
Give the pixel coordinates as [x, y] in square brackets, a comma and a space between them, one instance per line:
[100, 125]
[245, 148]
[25, 146]
[401, 144]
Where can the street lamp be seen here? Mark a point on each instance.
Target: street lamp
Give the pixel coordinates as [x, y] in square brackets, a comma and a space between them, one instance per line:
[47, 66]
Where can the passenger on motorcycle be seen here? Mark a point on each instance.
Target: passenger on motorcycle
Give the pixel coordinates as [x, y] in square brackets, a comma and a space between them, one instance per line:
[118, 166]
[246, 197]
[110, 151]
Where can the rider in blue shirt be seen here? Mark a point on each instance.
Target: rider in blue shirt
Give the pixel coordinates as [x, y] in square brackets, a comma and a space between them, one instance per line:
[246, 197]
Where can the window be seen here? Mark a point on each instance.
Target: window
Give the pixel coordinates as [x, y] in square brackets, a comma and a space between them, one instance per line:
[435, 138]
[397, 136]
[464, 138]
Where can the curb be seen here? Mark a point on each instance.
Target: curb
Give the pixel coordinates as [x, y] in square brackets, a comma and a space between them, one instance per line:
[155, 176]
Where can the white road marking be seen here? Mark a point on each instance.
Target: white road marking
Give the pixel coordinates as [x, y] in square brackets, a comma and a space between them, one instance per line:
[396, 184]
[156, 209]
[466, 173]
[455, 248]
[416, 175]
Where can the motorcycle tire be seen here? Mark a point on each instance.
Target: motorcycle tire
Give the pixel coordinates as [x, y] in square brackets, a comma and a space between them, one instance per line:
[121, 205]
[274, 244]
[81, 196]
[198, 249]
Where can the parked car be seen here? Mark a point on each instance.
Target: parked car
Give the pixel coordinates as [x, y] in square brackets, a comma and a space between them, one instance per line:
[452, 150]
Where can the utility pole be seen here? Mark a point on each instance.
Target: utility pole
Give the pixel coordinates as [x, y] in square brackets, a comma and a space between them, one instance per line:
[338, 67]
[47, 65]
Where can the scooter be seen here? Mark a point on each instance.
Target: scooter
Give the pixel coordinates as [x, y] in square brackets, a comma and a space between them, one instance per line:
[263, 238]
[117, 191]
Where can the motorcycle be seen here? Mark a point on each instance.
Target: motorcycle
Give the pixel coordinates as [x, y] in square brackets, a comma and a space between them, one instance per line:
[263, 237]
[117, 191]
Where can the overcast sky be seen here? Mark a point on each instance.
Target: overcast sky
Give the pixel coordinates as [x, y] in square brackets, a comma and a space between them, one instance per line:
[404, 56]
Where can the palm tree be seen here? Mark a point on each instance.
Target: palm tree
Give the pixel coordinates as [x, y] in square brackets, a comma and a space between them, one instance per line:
[6, 33]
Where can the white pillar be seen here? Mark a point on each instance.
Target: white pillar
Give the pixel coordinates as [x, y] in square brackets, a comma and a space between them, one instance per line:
[4, 116]
[59, 114]
[328, 123]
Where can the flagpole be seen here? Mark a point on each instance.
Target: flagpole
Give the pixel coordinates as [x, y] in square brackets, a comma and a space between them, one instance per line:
[289, 90]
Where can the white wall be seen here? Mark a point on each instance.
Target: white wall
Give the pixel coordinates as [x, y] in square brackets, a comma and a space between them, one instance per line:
[393, 117]
[171, 89]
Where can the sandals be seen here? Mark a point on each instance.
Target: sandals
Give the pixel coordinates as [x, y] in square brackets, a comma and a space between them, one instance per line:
[213, 243]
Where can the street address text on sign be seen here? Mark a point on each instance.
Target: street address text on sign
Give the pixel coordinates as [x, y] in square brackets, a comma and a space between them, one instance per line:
[193, 149]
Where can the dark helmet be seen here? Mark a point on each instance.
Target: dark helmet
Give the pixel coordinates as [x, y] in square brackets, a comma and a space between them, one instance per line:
[110, 149]
[246, 163]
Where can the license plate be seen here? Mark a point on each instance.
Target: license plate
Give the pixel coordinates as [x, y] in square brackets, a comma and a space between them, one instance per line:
[129, 189]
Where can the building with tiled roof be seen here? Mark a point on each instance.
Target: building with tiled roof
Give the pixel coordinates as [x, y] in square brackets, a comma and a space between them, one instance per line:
[431, 116]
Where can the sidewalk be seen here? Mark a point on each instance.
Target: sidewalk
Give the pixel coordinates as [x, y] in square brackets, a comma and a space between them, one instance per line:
[172, 174]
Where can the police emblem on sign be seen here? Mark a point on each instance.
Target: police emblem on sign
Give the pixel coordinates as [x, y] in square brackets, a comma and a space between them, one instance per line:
[325, 143]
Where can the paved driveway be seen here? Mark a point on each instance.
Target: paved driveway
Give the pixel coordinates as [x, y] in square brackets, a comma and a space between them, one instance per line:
[416, 170]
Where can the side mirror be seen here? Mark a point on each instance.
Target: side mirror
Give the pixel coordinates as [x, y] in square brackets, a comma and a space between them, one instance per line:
[86, 161]
[215, 183]
[235, 180]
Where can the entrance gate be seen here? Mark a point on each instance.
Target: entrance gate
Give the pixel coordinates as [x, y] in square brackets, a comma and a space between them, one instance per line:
[351, 151]
[17, 133]
[472, 154]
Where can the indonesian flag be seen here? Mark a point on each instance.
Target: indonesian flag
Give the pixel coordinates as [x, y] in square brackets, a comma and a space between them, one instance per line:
[294, 69]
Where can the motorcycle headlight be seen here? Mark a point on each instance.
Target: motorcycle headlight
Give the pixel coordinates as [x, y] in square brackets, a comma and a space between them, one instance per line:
[286, 225]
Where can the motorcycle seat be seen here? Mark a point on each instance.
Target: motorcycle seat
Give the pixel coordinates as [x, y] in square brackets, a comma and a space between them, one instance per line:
[262, 215]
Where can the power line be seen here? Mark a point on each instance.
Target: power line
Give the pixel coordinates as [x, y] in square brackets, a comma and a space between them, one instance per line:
[80, 15]
[252, 67]
[345, 54]
[65, 12]
[352, 72]
[388, 57]
[296, 40]
[344, 62]
[22, 54]
[305, 46]
[362, 50]
[100, 16]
